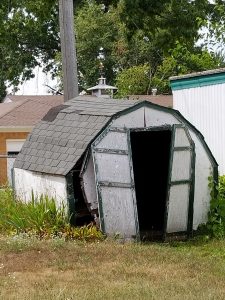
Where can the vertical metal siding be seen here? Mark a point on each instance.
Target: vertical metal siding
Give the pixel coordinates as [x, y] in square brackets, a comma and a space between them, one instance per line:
[204, 107]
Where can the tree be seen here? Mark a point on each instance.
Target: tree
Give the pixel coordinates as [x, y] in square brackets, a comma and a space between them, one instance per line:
[131, 33]
[142, 79]
[28, 37]
[133, 81]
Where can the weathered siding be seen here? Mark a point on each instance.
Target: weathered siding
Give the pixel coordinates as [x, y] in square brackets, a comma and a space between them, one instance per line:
[89, 185]
[203, 169]
[27, 182]
[117, 168]
[204, 107]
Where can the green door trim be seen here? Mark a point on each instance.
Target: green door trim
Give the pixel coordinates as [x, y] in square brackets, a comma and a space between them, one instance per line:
[152, 128]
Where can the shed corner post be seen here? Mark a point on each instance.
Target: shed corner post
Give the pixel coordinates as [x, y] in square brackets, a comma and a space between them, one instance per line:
[137, 237]
[70, 197]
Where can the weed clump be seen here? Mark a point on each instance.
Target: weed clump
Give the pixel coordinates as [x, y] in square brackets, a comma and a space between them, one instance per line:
[40, 217]
[215, 226]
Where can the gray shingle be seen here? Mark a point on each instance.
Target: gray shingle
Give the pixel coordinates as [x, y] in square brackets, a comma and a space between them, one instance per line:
[55, 163]
[71, 150]
[48, 146]
[33, 152]
[55, 155]
[71, 143]
[62, 142]
[33, 166]
[18, 164]
[33, 159]
[33, 138]
[48, 140]
[41, 138]
[55, 147]
[40, 160]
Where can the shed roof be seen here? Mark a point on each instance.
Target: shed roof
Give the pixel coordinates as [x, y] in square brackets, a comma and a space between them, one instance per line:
[197, 74]
[58, 142]
[199, 79]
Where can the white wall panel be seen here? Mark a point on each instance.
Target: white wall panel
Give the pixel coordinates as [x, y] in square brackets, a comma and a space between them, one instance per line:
[40, 184]
[181, 165]
[114, 140]
[118, 211]
[204, 107]
[155, 117]
[181, 139]
[134, 119]
[178, 208]
[89, 184]
[113, 167]
[203, 169]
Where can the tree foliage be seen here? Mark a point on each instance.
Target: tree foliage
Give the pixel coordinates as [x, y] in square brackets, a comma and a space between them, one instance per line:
[131, 33]
[28, 36]
[133, 81]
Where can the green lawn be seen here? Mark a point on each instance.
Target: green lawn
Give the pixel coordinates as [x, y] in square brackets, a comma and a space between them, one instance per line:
[55, 269]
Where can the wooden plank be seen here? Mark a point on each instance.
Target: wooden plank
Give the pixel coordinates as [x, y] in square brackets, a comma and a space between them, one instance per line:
[115, 184]
[111, 151]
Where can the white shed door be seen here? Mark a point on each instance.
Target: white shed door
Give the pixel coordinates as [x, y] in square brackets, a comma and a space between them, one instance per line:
[181, 182]
[115, 186]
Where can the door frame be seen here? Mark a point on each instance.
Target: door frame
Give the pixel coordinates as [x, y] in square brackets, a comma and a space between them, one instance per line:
[152, 128]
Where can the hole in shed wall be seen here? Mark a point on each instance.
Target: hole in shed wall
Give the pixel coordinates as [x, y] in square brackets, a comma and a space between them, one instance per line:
[82, 214]
[150, 154]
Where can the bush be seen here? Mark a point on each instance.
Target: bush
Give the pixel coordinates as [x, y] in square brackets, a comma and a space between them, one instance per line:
[216, 217]
[40, 217]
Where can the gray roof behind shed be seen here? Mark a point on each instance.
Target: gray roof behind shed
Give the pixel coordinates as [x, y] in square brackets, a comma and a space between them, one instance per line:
[57, 142]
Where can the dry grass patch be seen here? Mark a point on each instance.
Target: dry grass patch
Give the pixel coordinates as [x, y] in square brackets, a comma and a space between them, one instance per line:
[54, 269]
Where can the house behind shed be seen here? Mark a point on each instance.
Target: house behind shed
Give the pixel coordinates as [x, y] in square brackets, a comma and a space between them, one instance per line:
[139, 169]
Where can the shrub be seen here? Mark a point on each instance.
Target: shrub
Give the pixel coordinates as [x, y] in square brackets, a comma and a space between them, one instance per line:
[216, 217]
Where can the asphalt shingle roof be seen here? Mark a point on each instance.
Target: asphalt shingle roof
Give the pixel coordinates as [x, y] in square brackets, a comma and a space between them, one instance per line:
[26, 110]
[57, 142]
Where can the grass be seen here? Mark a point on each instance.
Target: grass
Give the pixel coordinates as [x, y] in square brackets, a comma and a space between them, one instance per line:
[55, 269]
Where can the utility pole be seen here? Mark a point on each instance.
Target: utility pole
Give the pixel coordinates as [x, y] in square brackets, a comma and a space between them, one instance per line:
[68, 49]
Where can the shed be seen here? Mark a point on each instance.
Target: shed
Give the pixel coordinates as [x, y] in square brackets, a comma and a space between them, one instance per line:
[138, 168]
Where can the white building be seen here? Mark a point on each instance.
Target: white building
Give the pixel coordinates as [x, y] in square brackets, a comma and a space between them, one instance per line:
[200, 97]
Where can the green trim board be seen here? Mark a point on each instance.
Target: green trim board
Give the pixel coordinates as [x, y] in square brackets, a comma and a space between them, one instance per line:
[169, 182]
[152, 128]
[98, 190]
[138, 237]
[197, 81]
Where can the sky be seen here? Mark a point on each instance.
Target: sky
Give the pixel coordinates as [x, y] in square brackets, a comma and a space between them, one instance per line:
[37, 85]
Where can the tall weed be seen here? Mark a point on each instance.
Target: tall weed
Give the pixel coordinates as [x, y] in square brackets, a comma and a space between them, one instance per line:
[216, 217]
[40, 217]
